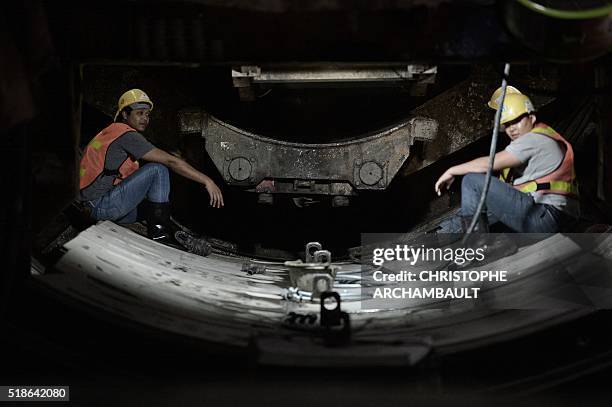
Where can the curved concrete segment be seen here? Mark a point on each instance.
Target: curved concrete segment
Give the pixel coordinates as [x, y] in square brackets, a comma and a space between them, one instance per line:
[123, 274]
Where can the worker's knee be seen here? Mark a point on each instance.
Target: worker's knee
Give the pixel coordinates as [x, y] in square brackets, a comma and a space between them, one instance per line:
[156, 169]
[471, 188]
[472, 182]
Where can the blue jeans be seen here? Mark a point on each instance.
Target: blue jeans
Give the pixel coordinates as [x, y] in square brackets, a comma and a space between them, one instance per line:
[151, 182]
[515, 209]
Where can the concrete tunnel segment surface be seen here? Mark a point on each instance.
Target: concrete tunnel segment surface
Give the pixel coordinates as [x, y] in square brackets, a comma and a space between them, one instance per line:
[113, 270]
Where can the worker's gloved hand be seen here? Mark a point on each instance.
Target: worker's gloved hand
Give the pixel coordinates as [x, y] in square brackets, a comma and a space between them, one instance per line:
[193, 244]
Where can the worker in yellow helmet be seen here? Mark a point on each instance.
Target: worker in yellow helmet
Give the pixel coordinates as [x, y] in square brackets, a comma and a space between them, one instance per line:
[537, 191]
[113, 184]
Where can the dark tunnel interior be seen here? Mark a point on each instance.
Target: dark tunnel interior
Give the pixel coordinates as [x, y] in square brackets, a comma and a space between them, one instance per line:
[320, 114]
[310, 114]
[62, 68]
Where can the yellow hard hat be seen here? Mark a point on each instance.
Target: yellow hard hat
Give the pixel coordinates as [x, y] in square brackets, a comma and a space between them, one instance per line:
[515, 105]
[132, 96]
[496, 96]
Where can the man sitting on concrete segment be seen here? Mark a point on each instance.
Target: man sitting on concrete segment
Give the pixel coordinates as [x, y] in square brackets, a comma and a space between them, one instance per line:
[537, 191]
[112, 184]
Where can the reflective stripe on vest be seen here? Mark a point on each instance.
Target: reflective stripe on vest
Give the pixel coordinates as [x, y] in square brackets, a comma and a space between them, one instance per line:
[94, 157]
[552, 187]
[505, 175]
[560, 181]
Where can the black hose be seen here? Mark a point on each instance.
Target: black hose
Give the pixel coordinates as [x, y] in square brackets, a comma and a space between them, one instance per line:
[492, 151]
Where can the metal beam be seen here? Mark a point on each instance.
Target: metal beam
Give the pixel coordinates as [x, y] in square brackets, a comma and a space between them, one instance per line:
[341, 168]
[401, 73]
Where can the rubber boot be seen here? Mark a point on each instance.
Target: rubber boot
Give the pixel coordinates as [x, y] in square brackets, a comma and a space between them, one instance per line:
[161, 229]
[159, 225]
[495, 245]
[482, 226]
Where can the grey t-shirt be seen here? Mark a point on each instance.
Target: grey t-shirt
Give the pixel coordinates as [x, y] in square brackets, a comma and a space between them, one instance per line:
[540, 156]
[130, 144]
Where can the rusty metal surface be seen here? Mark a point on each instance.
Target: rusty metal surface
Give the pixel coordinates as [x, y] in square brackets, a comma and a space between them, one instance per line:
[341, 168]
[463, 114]
[337, 73]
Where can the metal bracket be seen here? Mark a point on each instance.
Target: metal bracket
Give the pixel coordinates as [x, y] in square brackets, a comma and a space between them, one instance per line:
[311, 248]
[315, 275]
[340, 168]
[336, 324]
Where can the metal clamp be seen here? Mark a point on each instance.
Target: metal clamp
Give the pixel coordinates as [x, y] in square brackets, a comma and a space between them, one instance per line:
[335, 322]
[316, 275]
[322, 257]
[311, 248]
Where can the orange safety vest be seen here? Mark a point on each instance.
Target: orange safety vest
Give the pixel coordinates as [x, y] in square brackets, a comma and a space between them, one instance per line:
[92, 162]
[560, 181]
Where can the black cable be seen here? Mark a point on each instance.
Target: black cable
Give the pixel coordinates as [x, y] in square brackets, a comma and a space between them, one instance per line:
[492, 151]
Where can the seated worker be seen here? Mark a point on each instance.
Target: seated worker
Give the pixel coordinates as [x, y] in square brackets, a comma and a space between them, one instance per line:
[537, 192]
[112, 184]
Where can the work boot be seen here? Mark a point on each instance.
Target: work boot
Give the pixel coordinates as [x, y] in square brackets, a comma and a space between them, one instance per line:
[193, 244]
[482, 226]
[159, 225]
[496, 246]
[161, 229]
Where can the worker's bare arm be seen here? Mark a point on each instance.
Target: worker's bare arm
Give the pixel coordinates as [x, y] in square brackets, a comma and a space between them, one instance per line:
[183, 168]
[503, 159]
